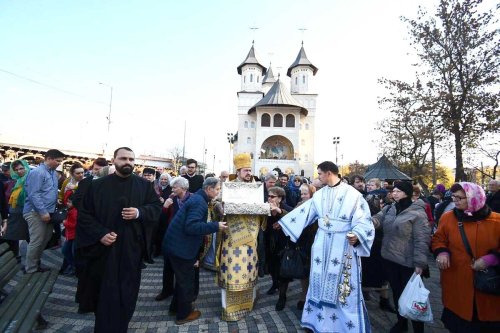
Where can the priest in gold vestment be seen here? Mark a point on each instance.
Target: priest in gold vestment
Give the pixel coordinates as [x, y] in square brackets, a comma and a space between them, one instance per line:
[237, 255]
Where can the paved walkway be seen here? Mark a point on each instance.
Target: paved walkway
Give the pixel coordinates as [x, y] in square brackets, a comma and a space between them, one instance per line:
[151, 316]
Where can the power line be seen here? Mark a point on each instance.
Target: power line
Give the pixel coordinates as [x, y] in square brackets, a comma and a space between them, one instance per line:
[50, 86]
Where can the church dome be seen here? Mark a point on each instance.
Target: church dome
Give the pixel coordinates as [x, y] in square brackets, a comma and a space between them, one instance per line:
[278, 96]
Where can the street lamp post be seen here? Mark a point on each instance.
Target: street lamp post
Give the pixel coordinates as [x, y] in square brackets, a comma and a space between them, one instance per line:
[336, 141]
[205, 162]
[109, 115]
[230, 139]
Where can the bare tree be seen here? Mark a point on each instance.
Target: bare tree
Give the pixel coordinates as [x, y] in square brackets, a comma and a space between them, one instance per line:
[176, 154]
[458, 49]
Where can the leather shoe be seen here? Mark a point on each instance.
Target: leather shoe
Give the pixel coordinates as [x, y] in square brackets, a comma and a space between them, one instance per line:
[191, 317]
[162, 296]
[281, 304]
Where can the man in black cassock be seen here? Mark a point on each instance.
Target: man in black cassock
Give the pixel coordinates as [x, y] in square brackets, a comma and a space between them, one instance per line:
[110, 242]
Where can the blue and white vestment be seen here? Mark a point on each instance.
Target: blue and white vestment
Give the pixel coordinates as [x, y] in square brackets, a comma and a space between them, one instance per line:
[339, 209]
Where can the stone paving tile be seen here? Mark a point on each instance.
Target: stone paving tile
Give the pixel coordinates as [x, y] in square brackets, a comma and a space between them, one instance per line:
[151, 316]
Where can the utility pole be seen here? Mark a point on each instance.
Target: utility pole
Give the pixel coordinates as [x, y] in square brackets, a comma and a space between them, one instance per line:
[184, 144]
[105, 148]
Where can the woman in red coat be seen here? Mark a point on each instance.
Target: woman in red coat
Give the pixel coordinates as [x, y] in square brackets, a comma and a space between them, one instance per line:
[465, 308]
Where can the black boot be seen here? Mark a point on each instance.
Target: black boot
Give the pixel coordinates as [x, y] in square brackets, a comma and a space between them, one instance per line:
[385, 305]
[282, 298]
[273, 288]
[400, 326]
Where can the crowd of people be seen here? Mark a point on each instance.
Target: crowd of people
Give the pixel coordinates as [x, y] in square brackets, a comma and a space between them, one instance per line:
[352, 239]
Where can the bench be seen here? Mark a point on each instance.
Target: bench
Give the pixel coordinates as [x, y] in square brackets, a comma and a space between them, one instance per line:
[20, 309]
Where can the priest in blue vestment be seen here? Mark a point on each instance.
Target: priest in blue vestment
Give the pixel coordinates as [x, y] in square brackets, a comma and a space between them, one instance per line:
[334, 301]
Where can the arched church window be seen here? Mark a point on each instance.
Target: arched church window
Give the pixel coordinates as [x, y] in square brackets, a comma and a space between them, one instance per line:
[249, 140]
[257, 79]
[296, 81]
[278, 120]
[303, 79]
[246, 124]
[265, 120]
[307, 126]
[252, 124]
[290, 120]
[244, 78]
[251, 77]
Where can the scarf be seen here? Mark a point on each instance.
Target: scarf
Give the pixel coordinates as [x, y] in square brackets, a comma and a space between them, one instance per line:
[479, 215]
[18, 195]
[476, 198]
[402, 204]
[181, 201]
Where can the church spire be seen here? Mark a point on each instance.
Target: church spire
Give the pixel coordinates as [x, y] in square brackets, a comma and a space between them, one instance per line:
[251, 60]
[301, 60]
[269, 77]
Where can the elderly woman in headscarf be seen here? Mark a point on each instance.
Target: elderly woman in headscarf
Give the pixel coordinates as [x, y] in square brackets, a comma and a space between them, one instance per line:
[16, 227]
[467, 309]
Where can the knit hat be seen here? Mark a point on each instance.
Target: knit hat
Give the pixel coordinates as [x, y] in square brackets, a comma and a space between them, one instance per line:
[441, 188]
[406, 187]
[243, 160]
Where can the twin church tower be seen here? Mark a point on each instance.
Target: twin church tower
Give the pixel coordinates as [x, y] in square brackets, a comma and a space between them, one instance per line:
[276, 123]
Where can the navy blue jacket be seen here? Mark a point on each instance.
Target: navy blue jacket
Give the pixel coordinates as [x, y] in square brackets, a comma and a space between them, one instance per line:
[185, 233]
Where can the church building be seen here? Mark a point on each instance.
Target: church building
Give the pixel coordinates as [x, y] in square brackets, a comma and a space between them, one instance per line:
[276, 122]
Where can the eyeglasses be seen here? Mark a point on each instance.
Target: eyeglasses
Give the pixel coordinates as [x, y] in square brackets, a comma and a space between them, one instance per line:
[272, 196]
[457, 198]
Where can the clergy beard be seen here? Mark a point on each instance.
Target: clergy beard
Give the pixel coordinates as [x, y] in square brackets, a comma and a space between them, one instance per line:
[125, 170]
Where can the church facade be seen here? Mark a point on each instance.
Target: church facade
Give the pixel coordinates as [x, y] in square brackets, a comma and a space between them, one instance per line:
[276, 122]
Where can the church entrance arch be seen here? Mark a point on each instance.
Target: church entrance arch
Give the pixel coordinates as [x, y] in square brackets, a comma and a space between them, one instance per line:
[277, 147]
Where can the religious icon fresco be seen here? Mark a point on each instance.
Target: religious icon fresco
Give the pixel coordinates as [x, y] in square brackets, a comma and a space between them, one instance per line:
[278, 148]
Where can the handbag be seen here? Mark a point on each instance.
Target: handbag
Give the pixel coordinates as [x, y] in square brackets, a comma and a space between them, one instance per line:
[59, 215]
[291, 263]
[487, 280]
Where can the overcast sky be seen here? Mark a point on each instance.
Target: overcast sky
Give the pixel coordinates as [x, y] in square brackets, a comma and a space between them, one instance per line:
[175, 61]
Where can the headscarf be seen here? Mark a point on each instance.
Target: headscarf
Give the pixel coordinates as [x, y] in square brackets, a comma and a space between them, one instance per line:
[18, 195]
[476, 198]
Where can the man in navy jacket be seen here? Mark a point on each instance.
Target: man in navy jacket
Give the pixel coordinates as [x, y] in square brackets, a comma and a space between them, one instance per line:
[182, 244]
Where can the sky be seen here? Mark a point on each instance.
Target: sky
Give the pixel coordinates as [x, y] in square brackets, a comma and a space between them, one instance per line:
[174, 62]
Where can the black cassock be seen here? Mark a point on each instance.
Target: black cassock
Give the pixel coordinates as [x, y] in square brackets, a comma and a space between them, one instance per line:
[110, 276]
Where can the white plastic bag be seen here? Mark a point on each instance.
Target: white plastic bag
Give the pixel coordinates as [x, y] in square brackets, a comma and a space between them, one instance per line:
[414, 301]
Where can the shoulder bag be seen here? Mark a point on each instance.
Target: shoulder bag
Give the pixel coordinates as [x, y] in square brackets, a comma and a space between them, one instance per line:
[487, 280]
